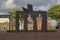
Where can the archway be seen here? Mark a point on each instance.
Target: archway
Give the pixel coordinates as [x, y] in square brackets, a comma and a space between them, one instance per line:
[33, 14]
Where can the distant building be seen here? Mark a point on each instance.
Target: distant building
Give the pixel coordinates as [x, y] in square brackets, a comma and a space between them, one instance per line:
[4, 21]
[4, 17]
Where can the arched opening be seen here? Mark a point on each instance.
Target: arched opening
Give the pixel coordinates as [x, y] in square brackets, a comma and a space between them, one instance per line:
[30, 23]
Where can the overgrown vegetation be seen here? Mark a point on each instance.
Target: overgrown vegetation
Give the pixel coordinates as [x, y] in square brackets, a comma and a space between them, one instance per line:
[54, 11]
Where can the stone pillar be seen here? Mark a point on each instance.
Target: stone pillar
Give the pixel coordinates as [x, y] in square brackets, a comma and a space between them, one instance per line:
[35, 22]
[17, 21]
[25, 23]
[44, 22]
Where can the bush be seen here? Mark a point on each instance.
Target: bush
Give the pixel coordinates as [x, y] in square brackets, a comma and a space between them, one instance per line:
[31, 31]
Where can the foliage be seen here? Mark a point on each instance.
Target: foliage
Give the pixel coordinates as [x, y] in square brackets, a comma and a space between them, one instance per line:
[54, 11]
[13, 13]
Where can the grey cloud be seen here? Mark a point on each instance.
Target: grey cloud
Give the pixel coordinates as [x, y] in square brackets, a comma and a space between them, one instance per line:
[34, 2]
[1, 4]
[19, 3]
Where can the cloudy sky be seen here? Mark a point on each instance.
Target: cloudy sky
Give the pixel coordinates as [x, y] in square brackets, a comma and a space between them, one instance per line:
[7, 5]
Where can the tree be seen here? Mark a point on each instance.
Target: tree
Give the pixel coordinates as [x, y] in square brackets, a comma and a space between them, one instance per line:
[54, 11]
[13, 12]
[13, 16]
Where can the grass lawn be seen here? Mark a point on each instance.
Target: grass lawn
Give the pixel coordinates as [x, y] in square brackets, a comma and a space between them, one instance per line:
[31, 31]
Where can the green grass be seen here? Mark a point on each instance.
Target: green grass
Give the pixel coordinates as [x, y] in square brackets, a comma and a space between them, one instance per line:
[31, 31]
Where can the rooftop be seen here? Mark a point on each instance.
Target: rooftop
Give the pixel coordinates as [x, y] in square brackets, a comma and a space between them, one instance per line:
[4, 13]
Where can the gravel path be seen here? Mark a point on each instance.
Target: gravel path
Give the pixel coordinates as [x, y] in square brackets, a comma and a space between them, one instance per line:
[30, 36]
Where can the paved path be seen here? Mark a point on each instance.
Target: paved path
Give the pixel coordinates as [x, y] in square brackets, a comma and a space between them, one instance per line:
[30, 36]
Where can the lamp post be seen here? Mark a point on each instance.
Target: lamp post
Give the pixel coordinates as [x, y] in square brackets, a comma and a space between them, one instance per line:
[9, 20]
